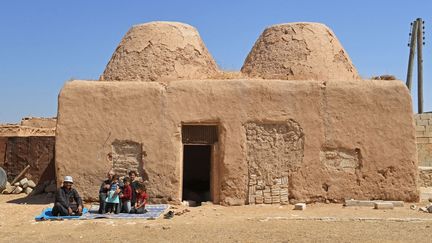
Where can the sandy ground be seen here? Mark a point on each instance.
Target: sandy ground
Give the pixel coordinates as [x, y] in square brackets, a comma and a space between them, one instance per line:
[213, 223]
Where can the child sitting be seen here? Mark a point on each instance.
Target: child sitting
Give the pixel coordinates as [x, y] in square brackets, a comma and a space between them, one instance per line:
[126, 196]
[141, 200]
[112, 199]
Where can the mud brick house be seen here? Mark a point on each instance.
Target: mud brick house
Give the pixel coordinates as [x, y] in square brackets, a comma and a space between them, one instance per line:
[32, 142]
[296, 124]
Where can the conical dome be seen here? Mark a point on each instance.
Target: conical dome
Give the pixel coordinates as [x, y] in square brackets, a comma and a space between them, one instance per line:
[160, 51]
[299, 51]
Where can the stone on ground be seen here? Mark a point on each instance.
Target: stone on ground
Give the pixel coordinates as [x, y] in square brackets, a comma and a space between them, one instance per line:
[31, 184]
[397, 203]
[23, 181]
[383, 205]
[370, 203]
[17, 190]
[359, 203]
[28, 190]
[9, 188]
[300, 206]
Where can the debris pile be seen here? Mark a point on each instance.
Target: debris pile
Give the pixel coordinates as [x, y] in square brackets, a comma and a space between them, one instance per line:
[29, 187]
[23, 186]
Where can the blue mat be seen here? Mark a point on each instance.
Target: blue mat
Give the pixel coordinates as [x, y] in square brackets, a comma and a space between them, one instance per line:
[47, 215]
[154, 211]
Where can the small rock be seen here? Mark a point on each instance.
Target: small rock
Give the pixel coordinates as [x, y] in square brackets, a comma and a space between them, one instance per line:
[166, 227]
[430, 199]
[9, 189]
[206, 203]
[31, 184]
[28, 190]
[51, 188]
[413, 207]
[383, 205]
[23, 181]
[396, 203]
[16, 184]
[327, 201]
[300, 206]
[189, 203]
[17, 190]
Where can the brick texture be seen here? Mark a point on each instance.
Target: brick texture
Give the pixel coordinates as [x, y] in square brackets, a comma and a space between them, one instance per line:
[424, 138]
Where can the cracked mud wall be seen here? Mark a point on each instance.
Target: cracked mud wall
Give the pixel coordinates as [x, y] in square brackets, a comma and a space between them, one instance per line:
[358, 136]
[299, 51]
[341, 160]
[364, 155]
[160, 51]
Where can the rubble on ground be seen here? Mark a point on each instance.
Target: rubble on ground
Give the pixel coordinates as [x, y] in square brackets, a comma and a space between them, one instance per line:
[29, 187]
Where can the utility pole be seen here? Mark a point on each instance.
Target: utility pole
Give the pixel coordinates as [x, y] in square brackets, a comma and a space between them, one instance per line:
[420, 64]
[416, 36]
[412, 45]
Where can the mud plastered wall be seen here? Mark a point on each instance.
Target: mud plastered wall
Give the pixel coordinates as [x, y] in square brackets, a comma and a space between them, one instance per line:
[343, 158]
[38, 152]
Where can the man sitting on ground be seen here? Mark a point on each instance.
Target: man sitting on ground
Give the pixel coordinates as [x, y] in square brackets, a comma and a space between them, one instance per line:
[67, 200]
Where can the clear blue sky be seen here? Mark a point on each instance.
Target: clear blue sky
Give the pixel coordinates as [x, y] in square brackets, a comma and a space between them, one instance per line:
[47, 42]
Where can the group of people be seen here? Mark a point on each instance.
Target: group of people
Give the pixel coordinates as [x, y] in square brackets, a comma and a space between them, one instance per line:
[126, 196]
[115, 196]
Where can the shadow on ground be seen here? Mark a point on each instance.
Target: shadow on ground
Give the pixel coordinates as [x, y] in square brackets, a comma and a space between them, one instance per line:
[33, 199]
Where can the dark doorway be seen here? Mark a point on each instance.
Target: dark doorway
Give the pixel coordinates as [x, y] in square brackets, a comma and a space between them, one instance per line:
[196, 173]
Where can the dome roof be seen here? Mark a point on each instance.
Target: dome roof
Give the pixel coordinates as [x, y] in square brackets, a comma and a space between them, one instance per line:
[160, 51]
[299, 51]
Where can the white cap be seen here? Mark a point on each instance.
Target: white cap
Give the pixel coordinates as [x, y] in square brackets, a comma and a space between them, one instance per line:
[68, 179]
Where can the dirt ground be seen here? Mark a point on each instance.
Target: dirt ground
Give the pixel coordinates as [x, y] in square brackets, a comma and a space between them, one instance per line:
[214, 223]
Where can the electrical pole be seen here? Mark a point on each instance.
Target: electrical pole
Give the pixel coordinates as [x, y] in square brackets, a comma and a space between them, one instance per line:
[412, 45]
[420, 64]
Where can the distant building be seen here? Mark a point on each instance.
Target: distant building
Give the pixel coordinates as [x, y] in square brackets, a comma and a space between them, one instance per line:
[32, 142]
